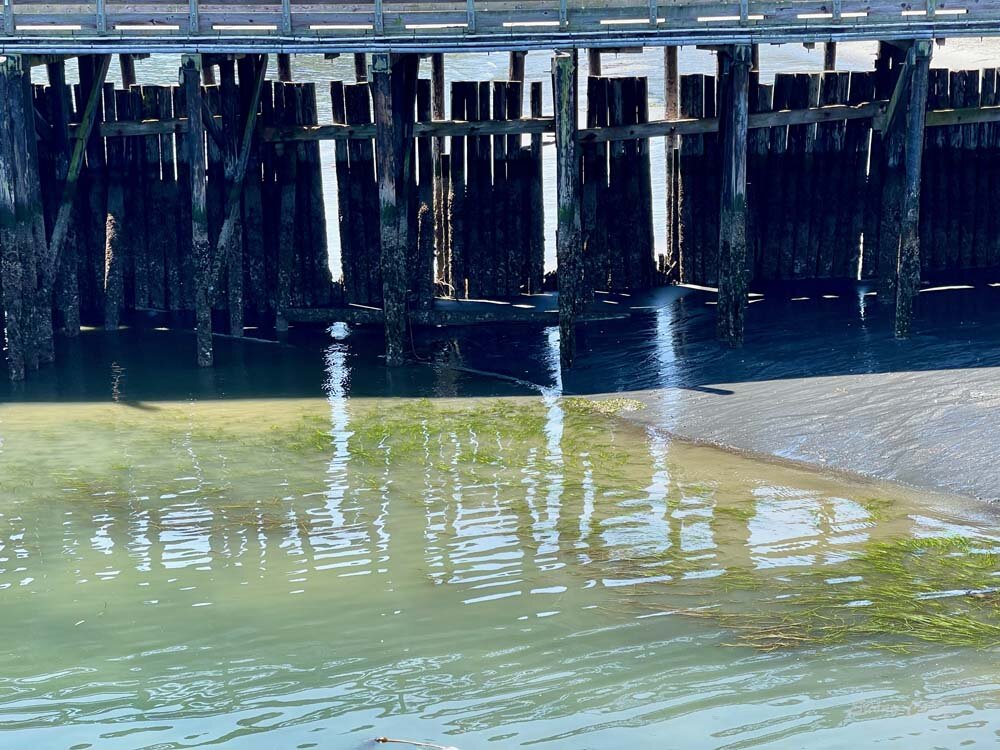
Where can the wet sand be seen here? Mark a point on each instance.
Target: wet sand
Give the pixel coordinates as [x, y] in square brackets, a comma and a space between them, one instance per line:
[820, 380]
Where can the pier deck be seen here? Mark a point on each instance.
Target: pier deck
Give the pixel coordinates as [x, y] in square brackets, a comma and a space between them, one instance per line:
[428, 26]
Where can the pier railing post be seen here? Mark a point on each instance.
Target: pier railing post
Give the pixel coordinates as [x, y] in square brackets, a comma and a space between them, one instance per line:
[908, 281]
[190, 80]
[733, 274]
[569, 234]
[394, 83]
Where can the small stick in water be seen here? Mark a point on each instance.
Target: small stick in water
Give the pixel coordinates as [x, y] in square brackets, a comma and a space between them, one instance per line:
[385, 740]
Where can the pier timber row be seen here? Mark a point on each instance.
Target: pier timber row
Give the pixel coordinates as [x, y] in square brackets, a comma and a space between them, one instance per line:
[204, 200]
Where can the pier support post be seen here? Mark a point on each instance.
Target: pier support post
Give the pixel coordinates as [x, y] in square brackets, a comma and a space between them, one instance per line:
[437, 151]
[127, 65]
[830, 56]
[17, 237]
[285, 68]
[67, 281]
[908, 281]
[515, 65]
[360, 67]
[190, 80]
[734, 66]
[233, 251]
[594, 62]
[671, 111]
[889, 63]
[569, 234]
[395, 86]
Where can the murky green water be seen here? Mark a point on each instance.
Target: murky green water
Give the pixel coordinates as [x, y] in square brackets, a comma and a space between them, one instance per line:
[478, 572]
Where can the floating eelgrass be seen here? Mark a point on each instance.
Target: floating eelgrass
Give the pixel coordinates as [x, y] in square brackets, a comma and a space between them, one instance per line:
[894, 595]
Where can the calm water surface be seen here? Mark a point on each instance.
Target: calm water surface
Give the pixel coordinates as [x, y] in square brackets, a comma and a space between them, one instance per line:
[302, 550]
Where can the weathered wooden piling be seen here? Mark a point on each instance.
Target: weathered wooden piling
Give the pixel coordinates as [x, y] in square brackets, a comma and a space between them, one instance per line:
[284, 68]
[394, 81]
[59, 112]
[169, 179]
[908, 283]
[115, 247]
[190, 79]
[593, 62]
[671, 111]
[733, 117]
[830, 56]
[17, 245]
[440, 198]
[569, 241]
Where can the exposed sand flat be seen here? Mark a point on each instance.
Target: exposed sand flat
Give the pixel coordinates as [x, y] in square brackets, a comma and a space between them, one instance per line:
[821, 379]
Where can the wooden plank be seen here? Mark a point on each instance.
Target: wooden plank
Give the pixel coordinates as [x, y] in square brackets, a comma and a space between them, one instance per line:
[870, 110]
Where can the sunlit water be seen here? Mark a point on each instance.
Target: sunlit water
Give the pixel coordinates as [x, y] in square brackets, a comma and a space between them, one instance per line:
[291, 560]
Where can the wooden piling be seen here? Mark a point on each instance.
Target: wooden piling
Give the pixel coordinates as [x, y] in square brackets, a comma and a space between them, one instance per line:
[126, 64]
[17, 262]
[569, 244]
[230, 101]
[360, 67]
[733, 115]
[440, 198]
[671, 111]
[67, 290]
[248, 68]
[422, 263]
[691, 166]
[593, 62]
[456, 196]
[287, 187]
[908, 283]
[395, 78]
[116, 246]
[594, 189]
[830, 56]
[515, 65]
[285, 68]
[191, 83]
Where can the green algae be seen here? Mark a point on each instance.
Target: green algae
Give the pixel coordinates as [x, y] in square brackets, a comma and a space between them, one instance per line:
[895, 594]
[608, 407]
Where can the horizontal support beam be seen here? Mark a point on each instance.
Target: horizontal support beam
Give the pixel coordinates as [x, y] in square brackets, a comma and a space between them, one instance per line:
[448, 312]
[438, 129]
[968, 116]
[527, 126]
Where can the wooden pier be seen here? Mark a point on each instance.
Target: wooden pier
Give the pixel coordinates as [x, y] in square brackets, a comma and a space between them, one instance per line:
[204, 200]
